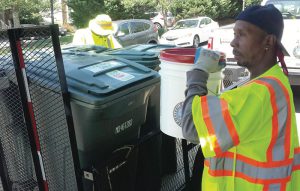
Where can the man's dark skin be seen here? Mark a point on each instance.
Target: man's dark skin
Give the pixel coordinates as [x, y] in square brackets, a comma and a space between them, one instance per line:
[253, 48]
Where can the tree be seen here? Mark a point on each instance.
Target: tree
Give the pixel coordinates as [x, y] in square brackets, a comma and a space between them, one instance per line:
[144, 6]
[216, 9]
[164, 6]
[24, 14]
[115, 9]
[64, 12]
[85, 10]
[139, 8]
[252, 2]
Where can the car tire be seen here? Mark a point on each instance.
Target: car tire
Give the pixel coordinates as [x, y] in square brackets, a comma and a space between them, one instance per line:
[152, 42]
[196, 41]
[158, 26]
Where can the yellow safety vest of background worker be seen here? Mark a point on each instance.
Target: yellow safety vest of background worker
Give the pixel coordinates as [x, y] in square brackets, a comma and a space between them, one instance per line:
[100, 32]
[248, 135]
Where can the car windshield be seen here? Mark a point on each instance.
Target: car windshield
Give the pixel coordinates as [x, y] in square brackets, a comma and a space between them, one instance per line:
[186, 24]
[289, 9]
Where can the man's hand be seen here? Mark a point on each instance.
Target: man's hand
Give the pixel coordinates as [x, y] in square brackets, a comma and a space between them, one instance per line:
[208, 60]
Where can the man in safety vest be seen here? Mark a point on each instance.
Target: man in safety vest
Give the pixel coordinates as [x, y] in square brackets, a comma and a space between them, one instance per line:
[100, 32]
[247, 135]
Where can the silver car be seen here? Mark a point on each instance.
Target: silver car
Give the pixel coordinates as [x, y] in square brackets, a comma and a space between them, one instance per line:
[135, 31]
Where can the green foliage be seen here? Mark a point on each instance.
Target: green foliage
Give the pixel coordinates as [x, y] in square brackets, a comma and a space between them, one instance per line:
[161, 31]
[216, 9]
[30, 16]
[144, 4]
[66, 39]
[138, 9]
[85, 10]
[114, 8]
[252, 2]
[28, 13]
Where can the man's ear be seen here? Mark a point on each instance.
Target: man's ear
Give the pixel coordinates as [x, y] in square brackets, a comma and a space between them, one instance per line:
[270, 41]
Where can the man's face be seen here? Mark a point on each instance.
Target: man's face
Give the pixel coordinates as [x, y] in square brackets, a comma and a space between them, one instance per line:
[247, 44]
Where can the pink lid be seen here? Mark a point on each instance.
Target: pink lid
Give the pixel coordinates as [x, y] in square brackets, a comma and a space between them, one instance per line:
[179, 55]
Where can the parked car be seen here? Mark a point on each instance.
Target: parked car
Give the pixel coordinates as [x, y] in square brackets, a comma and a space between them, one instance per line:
[220, 38]
[189, 32]
[62, 31]
[135, 31]
[158, 19]
[27, 25]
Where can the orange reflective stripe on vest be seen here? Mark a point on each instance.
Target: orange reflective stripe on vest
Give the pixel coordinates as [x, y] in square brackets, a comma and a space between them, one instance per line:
[296, 164]
[272, 175]
[276, 168]
[223, 129]
[279, 148]
[258, 172]
[220, 127]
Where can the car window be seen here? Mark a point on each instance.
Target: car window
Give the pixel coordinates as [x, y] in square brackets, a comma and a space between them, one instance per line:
[186, 24]
[289, 9]
[169, 14]
[137, 27]
[202, 22]
[208, 21]
[151, 14]
[124, 28]
[146, 26]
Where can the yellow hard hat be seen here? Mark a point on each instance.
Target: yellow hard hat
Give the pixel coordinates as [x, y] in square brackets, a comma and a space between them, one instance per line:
[101, 25]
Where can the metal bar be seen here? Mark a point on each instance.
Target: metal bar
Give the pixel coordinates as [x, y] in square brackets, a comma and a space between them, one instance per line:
[52, 11]
[3, 173]
[237, 84]
[190, 146]
[14, 39]
[67, 106]
[185, 156]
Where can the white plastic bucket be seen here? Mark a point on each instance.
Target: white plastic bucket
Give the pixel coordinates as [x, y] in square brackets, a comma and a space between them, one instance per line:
[174, 65]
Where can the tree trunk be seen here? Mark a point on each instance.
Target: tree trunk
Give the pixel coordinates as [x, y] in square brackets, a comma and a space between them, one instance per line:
[7, 18]
[164, 12]
[15, 14]
[64, 10]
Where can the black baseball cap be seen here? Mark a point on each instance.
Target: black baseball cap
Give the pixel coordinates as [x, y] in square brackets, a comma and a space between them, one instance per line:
[268, 18]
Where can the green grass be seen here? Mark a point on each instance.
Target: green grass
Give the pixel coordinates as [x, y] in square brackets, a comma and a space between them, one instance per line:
[38, 44]
[66, 39]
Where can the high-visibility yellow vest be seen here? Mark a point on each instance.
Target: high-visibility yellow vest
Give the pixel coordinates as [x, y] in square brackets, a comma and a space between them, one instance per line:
[250, 148]
[87, 37]
[105, 41]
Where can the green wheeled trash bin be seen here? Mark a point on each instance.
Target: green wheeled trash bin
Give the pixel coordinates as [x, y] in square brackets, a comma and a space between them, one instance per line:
[157, 152]
[83, 49]
[150, 142]
[109, 102]
[154, 48]
[168, 144]
[144, 54]
[148, 59]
